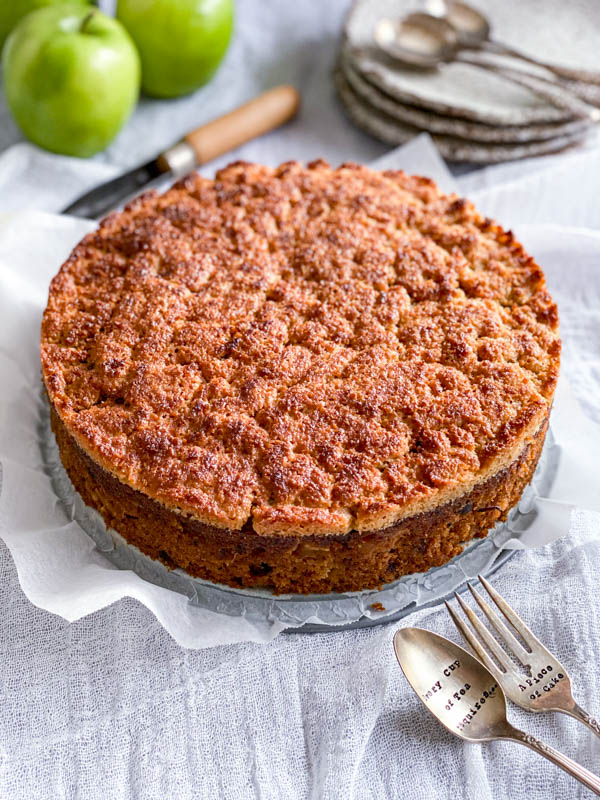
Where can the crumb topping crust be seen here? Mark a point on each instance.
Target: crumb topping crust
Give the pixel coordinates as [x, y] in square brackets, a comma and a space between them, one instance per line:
[300, 348]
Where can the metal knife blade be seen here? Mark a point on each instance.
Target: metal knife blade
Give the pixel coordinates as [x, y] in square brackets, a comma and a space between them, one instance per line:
[109, 195]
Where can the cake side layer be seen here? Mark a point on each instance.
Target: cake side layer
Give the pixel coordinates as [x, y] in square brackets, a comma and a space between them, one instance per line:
[319, 563]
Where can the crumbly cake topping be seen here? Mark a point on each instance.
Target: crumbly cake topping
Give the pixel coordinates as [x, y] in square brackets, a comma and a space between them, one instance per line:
[299, 348]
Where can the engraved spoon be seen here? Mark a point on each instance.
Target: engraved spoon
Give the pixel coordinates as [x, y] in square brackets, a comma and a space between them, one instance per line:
[423, 41]
[474, 31]
[466, 698]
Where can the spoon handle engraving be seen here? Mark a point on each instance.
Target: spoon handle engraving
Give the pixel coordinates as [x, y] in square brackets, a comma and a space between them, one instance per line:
[574, 769]
[584, 717]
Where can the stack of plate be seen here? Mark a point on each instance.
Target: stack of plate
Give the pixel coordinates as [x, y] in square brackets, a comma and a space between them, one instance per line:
[473, 114]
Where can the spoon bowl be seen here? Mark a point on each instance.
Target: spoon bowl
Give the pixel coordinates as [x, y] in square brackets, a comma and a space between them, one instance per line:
[470, 25]
[418, 40]
[453, 685]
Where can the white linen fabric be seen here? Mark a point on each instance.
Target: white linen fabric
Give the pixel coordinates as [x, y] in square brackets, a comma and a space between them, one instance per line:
[111, 707]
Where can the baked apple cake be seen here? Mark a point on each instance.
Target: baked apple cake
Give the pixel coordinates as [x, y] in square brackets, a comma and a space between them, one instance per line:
[302, 378]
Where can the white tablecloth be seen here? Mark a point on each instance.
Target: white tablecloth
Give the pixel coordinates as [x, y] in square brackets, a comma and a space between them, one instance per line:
[111, 707]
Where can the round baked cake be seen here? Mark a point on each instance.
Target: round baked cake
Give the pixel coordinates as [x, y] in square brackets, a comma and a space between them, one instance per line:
[302, 378]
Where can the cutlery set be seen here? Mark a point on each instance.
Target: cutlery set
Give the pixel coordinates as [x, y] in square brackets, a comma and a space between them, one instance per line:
[424, 41]
[439, 69]
[467, 695]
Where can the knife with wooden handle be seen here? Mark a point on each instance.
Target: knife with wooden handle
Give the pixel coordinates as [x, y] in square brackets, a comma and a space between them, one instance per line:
[258, 116]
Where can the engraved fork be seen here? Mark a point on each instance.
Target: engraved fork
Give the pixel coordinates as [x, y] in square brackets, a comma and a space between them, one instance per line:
[541, 683]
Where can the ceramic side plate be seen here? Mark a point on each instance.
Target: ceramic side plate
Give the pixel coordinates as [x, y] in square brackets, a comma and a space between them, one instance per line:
[426, 120]
[394, 132]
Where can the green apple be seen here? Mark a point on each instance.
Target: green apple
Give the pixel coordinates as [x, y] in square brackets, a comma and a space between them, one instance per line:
[71, 78]
[11, 12]
[181, 42]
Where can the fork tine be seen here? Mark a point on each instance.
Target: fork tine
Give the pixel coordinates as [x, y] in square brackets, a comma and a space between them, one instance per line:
[483, 633]
[474, 643]
[503, 632]
[514, 619]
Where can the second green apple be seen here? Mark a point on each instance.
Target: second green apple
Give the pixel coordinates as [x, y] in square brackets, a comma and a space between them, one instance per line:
[181, 42]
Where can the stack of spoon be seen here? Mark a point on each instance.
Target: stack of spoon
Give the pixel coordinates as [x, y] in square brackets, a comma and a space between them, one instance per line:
[404, 68]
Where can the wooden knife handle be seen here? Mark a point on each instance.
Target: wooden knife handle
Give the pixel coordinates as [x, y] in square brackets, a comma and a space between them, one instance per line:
[265, 112]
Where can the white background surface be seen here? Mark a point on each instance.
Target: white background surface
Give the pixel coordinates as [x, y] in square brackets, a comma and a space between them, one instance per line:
[111, 707]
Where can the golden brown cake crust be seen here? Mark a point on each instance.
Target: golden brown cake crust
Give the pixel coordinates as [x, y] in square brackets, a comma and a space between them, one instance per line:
[300, 350]
[304, 378]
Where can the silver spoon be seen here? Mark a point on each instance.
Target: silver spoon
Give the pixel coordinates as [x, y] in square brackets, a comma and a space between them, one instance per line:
[465, 697]
[423, 41]
[474, 31]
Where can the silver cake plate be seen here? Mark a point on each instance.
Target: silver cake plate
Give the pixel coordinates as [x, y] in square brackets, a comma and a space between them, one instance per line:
[313, 613]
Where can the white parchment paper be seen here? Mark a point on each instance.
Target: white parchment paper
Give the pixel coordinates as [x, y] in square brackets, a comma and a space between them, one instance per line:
[61, 570]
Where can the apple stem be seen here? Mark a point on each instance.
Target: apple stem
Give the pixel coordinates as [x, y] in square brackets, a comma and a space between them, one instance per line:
[86, 20]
